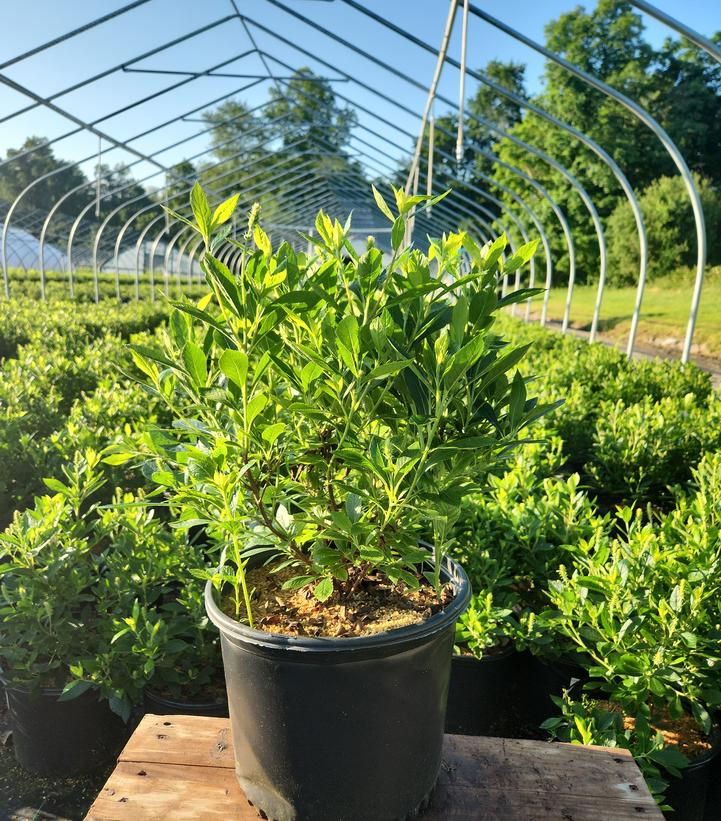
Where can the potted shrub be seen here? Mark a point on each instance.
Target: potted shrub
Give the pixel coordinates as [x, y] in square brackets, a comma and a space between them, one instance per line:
[188, 675]
[176, 647]
[333, 411]
[69, 689]
[482, 698]
[510, 543]
[587, 720]
[642, 608]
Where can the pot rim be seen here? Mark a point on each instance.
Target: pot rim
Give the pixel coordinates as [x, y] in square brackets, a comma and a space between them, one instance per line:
[504, 652]
[453, 572]
[47, 692]
[171, 702]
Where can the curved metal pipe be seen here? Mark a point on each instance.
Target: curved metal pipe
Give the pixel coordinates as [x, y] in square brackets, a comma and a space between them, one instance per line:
[586, 199]
[541, 112]
[641, 114]
[714, 51]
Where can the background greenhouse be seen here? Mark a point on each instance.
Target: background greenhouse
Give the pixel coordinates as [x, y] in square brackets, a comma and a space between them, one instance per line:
[558, 170]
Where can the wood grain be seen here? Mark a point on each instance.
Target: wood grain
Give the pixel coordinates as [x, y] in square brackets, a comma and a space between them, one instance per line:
[181, 768]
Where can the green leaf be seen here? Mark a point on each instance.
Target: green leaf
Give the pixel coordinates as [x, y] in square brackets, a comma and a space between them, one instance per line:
[459, 318]
[75, 689]
[518, 398]
[201, 209]
[669, 757]
[353, 507]
[262, 241]
[255, 406]
[201, 467]
[224, 211]
[527, 251]
[519, 296]
[297, 582]
[310, 372]
[219, 275]
[398, 232]
[195, 363]
[272, 432]
[284, 519]
[389, 368]
[163, 477]
[234, 364]
[495, 252]
[155, 356]
[204, 316]
[118, 458]
[324, 589]
[56, 485]
[381, 203]
[347, 333]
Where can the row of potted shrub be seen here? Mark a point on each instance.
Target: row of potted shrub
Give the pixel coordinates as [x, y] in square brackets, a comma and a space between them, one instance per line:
[623, 606]
[57, 285]
[522, 543]
[100, 608]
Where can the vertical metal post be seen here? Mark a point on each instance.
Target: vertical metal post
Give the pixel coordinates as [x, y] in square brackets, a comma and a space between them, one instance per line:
[432, 90]
[97, 179]
[431, 143]
[462, 87]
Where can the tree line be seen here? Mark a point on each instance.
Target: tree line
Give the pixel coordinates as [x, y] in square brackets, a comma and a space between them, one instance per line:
[300, 140]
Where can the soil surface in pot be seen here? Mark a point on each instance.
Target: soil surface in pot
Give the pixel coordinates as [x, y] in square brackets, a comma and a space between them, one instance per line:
[683, 733]
[375, 606]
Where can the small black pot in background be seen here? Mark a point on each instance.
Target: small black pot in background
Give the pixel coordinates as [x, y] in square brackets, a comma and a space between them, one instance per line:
[543, 679]
[482, 694]
[347, 728]
[161, 706]
[63, 738]
[695, 796]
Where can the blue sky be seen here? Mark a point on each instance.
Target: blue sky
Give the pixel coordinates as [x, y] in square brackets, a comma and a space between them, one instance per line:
[27, 25]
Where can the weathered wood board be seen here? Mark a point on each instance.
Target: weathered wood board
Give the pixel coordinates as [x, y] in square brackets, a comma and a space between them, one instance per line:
[181, 768]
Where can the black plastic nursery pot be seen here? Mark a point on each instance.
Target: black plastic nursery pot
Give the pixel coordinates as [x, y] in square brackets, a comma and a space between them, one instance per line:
[162, 706]
[713, 791]
[544, 679]
[348, 728]
[692, 796]
[481, 693]
[63, 738]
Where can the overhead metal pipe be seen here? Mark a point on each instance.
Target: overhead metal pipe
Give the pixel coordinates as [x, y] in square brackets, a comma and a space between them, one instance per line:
[588, 203]
[541, 112]
[641, 114]
[357, 105]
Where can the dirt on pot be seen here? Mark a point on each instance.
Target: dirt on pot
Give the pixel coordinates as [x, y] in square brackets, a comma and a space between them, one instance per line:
[376, 606]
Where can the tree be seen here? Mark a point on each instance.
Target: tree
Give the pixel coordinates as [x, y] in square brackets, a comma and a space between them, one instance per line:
[670, 228]
[676, 84]
[297, 141]
[305, 114]
[178, 182]
[466, 177]
[63, 177]
[489, 104]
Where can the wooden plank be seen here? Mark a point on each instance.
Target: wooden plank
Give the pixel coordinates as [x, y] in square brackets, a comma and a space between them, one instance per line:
[193, 740]
[181, 768]
[537, 766]
[141, 792]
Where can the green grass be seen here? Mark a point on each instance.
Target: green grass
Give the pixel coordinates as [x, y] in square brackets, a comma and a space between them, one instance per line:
[664, 314]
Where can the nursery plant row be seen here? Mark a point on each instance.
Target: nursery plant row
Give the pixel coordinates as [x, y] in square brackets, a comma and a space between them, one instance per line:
[593, 558]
